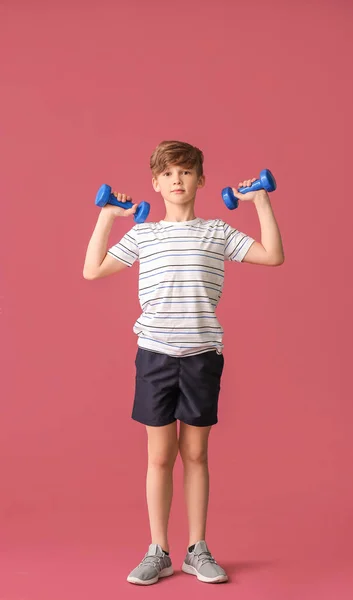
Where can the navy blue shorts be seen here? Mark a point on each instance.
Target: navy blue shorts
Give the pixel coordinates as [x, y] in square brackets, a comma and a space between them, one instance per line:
[170, 388]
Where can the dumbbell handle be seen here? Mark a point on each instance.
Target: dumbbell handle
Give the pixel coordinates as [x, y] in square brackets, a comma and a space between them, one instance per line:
[113, 200]
[256, 185]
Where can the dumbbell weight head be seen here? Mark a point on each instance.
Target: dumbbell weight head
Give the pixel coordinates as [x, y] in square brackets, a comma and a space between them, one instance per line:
[229, 199]
[104, 196]
[266, 182]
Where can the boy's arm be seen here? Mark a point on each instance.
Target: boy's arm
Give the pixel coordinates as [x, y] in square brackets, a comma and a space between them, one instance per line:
[270, 251]
[97, 262]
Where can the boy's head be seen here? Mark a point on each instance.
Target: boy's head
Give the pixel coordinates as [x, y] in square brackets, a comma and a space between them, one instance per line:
[176, 153]
[177, 166]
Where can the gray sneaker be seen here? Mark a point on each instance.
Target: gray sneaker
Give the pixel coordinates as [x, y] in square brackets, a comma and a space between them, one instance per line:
[201, 563]
[155, 564]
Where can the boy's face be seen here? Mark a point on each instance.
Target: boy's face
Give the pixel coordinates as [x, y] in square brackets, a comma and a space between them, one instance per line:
[178, 184]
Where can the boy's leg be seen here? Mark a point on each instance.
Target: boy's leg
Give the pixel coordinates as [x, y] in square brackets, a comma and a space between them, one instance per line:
[193, 447]
[162, 452]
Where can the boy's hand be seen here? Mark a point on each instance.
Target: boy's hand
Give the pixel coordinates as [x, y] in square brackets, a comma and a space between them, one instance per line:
[119, 211]
[249, 195]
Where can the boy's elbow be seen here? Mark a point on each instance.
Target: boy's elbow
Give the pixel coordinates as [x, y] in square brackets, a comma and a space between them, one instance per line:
[88, 275]
[278, 261]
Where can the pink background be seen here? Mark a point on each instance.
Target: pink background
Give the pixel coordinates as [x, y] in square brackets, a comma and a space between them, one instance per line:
[88, 89]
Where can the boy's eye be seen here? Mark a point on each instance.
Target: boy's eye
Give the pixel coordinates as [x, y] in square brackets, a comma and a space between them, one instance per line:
[184, 172]
[168, 172]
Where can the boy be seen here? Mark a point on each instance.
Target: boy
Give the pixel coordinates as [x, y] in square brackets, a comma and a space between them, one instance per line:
[179, 360]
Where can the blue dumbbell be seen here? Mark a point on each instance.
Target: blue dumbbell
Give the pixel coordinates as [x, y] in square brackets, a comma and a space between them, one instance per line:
[104, 196]
[266, 182]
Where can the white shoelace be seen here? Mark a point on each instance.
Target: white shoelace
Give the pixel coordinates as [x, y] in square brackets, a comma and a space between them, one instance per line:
[207, 558]
[149, 559]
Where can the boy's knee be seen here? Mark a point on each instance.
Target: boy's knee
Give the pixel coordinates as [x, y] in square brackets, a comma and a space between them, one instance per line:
[163, 459]
[193, 455]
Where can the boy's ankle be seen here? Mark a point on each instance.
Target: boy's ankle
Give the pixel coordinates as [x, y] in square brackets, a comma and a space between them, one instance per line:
[165, 547]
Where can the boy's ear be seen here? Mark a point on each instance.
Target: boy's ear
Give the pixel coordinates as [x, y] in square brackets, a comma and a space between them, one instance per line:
[202, 181]
[155, 184]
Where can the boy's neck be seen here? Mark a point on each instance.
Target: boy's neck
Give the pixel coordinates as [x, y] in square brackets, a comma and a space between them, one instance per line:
[178, 220]
[180, 215]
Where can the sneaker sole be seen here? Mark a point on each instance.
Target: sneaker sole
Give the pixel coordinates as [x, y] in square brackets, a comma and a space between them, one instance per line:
[192, 571]
[164, 573]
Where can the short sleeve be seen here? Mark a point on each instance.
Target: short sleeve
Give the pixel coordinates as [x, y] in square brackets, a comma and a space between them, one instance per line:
[127, 250]
[236, 243]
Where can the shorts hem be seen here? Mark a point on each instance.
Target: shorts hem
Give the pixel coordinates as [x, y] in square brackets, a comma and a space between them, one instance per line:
[199, 424]
[150, 424]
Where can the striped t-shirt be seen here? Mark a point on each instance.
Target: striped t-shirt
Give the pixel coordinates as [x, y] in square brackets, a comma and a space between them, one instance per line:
[180, 281]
